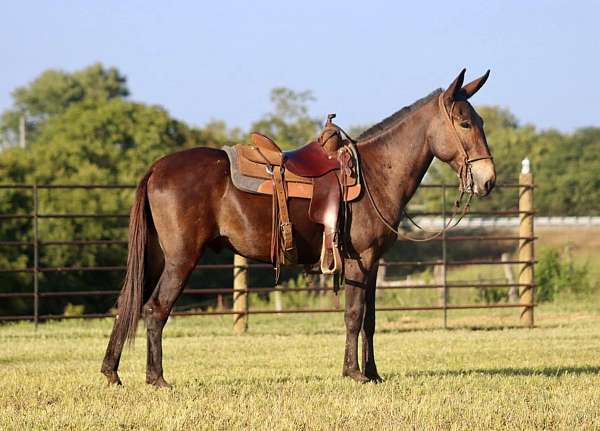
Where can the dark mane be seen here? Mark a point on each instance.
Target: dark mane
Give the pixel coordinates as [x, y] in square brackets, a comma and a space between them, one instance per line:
[397, 117]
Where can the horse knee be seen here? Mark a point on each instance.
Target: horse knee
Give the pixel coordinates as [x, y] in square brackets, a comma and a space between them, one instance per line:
[155, 316]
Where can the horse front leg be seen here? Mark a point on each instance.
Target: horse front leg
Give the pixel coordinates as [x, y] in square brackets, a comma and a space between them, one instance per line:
[355, 287]
[368, 330]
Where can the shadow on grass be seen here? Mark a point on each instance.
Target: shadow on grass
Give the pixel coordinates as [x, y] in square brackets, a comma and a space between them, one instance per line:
[459, 328]
[545, 371]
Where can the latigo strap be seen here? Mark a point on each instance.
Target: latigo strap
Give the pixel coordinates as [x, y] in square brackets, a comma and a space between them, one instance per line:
[283, 250]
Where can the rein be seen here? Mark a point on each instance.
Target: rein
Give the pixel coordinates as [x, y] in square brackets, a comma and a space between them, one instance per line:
[465, 185]
[451, 224]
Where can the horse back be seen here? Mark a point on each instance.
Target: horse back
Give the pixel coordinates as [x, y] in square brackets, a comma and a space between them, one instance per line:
[193, 191]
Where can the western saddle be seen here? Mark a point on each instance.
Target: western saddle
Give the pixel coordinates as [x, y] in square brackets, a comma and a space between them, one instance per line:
[324, 171]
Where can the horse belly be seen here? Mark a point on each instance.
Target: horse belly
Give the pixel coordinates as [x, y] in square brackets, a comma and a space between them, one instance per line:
[246, 221]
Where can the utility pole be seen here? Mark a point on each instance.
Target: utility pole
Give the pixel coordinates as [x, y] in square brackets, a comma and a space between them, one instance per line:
[22, 132]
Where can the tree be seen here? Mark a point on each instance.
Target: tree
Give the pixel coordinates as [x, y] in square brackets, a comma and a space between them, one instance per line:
[289, 124]
[216, 134]
[566, 172]
[54, 91]
[85, 132]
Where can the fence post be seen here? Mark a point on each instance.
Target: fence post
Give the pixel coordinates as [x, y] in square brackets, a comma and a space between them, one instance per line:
[526, 251]
[36, 257]
[240, 294]
[444, 259]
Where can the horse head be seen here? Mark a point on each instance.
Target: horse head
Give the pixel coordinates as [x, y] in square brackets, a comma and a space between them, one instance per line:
[456, 137]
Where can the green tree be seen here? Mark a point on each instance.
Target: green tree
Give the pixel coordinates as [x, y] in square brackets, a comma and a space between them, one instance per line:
[216, 134]
[86, 132]
[567, 172]
[93, 141]
[54, 91]
[290, 124]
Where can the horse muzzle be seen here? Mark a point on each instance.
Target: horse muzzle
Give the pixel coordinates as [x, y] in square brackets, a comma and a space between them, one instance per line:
[484, 177]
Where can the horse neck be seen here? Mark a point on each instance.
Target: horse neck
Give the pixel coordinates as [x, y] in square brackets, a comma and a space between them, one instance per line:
[396, 161]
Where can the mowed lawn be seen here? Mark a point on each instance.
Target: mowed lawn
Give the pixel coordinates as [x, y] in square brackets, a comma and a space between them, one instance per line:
[285, 374]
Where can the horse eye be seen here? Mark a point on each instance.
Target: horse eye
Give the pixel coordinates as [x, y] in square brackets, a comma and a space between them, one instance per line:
[465, 125]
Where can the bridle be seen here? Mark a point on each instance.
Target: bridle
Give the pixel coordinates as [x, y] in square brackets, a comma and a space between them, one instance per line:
[465, 173]
[466, 182]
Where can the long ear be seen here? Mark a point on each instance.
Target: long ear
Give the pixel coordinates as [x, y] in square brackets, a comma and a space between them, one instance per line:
[454, 88]
[474, 86]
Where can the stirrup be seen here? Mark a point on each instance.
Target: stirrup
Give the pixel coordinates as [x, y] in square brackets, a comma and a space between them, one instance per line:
[337, 259]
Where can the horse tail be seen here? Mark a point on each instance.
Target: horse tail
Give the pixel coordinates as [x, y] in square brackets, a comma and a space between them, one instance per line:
[132, 292]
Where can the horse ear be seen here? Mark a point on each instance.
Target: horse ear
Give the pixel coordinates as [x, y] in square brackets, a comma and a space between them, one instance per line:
[454, 88]
[474, 86]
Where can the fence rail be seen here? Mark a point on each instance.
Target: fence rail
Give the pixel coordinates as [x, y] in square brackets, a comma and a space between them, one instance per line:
[507, 222]
[239, 292]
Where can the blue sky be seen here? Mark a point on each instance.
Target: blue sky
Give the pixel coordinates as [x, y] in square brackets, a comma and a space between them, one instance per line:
[362, 60]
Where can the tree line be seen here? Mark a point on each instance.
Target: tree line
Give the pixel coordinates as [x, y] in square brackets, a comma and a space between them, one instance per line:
[83, 127]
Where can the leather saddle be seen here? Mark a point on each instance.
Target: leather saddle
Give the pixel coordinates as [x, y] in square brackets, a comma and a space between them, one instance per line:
[324, 171]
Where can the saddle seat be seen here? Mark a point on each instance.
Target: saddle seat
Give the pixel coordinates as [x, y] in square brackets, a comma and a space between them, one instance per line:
[309, 161]
[323, 171]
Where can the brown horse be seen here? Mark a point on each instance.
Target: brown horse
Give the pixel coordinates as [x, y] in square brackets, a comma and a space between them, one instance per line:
[187, 202]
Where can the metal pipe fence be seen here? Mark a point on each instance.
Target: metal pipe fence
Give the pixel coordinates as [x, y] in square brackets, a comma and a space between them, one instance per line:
[525, 238]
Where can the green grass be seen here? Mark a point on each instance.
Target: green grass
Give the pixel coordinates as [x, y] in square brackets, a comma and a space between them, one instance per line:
[285, 374]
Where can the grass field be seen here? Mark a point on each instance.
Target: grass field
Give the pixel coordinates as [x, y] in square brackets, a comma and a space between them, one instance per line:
[285, 374]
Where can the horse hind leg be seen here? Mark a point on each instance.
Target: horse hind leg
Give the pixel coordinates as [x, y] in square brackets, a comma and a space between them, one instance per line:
[154, 268]
[157, 309]
[112, 357]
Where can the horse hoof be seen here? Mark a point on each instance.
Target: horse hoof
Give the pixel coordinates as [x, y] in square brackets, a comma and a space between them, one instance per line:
[159, 382]
[356, 375]
[375, 378]
[113, 378]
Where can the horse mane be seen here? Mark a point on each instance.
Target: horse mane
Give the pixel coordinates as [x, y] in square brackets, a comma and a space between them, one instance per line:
[397, 117]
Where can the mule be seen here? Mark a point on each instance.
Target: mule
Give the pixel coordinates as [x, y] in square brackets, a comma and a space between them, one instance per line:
[186, 202]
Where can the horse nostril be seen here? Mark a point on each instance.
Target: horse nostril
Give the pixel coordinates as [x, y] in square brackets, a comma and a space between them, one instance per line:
[489, 185]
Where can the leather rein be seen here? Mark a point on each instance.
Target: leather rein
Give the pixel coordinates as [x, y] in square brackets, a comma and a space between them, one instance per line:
[465, 175]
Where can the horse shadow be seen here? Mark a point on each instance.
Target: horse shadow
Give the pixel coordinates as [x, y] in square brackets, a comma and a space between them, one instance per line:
[508, 371]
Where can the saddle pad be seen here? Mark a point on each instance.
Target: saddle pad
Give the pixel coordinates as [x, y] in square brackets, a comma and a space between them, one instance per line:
[262, 186]
[259, 182]
[242, 182]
